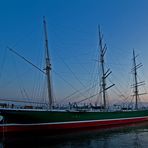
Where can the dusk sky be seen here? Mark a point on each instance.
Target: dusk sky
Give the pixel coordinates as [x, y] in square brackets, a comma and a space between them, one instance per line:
[73, 43]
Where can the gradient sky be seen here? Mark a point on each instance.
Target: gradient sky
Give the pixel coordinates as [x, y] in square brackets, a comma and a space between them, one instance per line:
[73, 44]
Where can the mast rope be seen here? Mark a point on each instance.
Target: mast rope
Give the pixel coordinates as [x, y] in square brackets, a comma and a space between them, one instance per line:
[68, 83]
[68, 97]
[68, 67]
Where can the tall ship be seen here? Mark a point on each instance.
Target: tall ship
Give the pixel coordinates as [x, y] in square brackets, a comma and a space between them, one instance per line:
[51, 120]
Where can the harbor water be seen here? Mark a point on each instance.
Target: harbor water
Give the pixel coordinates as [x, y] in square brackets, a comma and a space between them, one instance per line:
[129, 136]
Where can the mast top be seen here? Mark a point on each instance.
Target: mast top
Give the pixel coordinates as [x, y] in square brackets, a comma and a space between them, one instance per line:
[46, 37]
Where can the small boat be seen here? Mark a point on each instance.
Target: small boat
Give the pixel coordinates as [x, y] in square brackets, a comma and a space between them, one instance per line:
[53, 120]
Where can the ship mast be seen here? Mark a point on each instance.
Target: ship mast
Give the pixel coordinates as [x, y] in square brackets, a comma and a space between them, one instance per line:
[136, 83]
[105, 73]
[48, 66]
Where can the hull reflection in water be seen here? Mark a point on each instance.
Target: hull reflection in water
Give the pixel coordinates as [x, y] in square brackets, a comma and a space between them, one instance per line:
[130, 136]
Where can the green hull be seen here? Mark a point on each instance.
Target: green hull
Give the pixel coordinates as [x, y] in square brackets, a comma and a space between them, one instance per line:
[30, 116]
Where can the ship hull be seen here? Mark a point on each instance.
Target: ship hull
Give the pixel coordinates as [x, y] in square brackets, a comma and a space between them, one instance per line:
[15, 121]
[59, 127]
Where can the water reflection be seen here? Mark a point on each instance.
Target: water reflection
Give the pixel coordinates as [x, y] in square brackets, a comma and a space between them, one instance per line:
[131, 136]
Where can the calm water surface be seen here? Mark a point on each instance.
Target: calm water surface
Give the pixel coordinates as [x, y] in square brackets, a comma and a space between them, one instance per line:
[129, 136]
